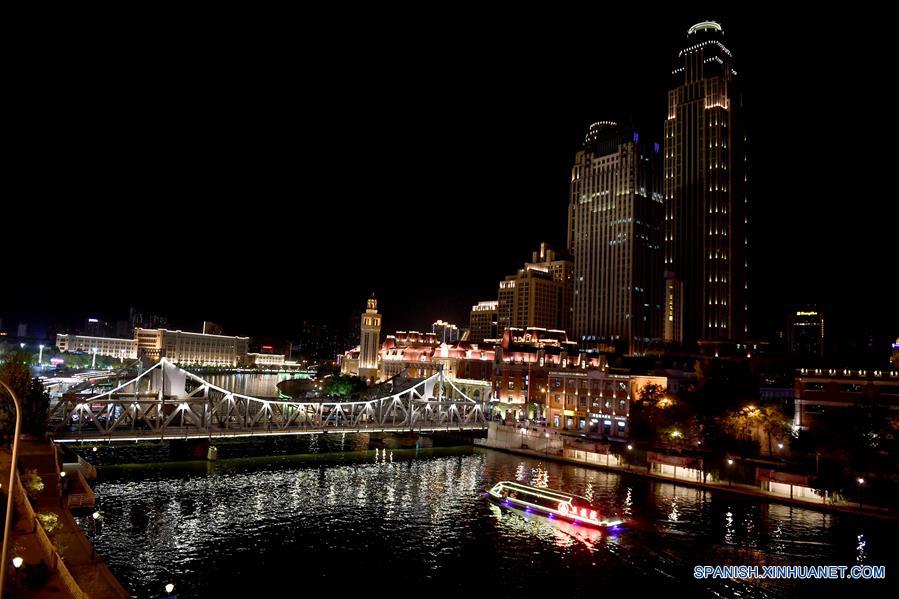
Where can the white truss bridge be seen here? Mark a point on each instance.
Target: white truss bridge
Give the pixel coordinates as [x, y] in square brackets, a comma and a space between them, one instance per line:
[168, 402]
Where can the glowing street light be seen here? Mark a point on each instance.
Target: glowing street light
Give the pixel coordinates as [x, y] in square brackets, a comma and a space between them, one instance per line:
[169, 588]
[40, 355]
[94, 362]
[17, 562]
[730, 473]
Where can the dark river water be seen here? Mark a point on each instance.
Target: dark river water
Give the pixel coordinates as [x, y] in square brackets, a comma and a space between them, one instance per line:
[415, 522]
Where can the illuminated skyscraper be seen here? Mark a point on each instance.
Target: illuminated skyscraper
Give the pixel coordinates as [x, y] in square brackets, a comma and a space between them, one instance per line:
[706, 222]
[370, 341]
[614, 233]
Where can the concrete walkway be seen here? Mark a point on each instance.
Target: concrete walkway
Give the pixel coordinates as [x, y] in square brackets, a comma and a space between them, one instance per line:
[89, 572]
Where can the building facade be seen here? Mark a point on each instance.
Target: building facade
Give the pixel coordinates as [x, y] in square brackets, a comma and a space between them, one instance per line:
[614, 233]
[539, 294]
[102, 346]
[445, 332]
[806, 332]
[706, 199]
[823, 391]
[258, 359]
[197, 349]
[483, 321]
[370, 341]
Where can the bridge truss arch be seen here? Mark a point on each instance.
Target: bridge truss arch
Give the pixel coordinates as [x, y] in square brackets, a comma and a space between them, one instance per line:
[166, 401]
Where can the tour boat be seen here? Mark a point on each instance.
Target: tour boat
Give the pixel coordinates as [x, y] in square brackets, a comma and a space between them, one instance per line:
[553, 504]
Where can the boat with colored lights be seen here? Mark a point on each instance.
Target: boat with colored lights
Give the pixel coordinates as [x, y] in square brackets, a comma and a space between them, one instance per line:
[549, 502]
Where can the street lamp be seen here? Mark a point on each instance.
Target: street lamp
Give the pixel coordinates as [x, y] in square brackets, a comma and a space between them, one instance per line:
[94, 361]
[861, 482]
[17, 562]
[730, 473]
[169, 588]
[12, 474]
[40, 356]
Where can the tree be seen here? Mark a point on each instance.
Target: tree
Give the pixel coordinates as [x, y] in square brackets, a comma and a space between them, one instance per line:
[35, 401]
[774, 422]
[343, 385]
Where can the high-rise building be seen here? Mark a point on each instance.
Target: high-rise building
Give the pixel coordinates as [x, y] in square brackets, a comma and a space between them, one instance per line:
[538, 295]
[706, 221]
[445, 332]
[806, 332]
[483, 322]
[138, 319]
[614, 233]
[212, 328]
[370, 341]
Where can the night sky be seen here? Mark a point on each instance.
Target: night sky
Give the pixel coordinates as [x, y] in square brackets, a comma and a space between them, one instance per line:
[281, 177]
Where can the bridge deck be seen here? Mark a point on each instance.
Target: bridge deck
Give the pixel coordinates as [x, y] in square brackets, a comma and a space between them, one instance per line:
[193, 433]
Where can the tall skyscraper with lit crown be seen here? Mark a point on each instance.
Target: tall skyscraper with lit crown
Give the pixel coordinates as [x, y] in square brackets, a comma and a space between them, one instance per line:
[706, 222]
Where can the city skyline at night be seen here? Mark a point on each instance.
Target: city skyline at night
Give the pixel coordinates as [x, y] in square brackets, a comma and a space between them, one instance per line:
[309, 229]
[498, 303]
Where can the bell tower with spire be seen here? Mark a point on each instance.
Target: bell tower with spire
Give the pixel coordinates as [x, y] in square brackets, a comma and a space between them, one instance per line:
[369, 341]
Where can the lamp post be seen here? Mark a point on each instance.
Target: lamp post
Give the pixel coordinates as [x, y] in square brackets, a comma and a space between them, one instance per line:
[169, 588]
[12, 474]
[629, 448]
[40, 356]
[94, 361]
[95, 531]
[730, 473]
[861, 482]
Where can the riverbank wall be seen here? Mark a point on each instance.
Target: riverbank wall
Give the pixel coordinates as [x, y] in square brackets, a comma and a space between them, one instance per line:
[547, 443]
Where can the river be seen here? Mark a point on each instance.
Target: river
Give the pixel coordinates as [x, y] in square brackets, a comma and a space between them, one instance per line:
[407, 521]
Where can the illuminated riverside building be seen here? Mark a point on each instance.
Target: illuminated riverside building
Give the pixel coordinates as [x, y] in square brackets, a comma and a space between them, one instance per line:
[539, 294]
[597, 401]
[258, 359]
[512, 373]
[523, 360]
[197, 349]
[483, 321]
[806, 332]
[614, 233]
[896, 353]
[102, 346]
[706, 199]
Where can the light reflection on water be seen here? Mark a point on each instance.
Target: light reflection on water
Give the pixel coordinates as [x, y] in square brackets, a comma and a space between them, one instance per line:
[356, 520]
